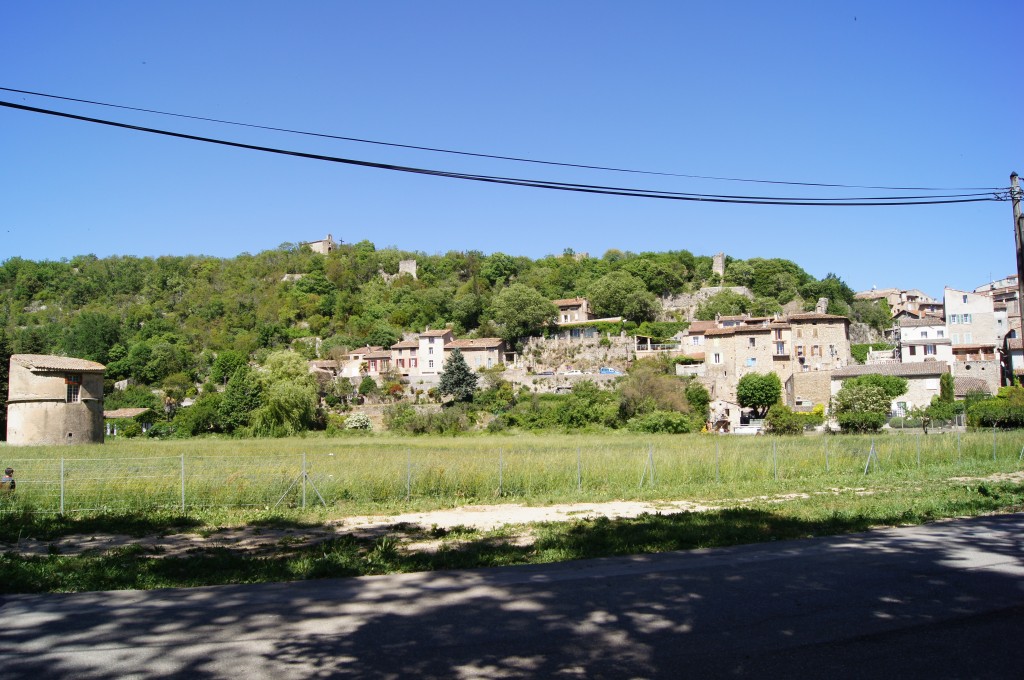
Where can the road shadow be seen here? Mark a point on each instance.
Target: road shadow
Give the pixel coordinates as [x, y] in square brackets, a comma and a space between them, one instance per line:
[938, 601]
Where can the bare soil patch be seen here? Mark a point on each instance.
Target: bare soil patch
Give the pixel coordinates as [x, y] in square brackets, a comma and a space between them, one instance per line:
[412, 530]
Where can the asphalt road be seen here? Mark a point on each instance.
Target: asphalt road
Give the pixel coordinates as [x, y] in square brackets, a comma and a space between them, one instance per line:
[939, 601]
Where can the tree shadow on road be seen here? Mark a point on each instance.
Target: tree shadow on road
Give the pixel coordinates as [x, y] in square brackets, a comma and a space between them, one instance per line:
[942, 600]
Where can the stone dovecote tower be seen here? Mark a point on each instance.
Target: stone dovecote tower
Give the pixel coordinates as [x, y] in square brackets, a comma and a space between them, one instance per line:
[54, 400]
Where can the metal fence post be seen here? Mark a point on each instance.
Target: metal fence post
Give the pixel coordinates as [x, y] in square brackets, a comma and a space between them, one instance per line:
[303, 480]
[993, 442]
[501, 470]
[775, 460]
[918, 449]
[408, 475]
[718, 471]
[958, 446]
[183, 483]
[579, 471]
[827, 467]
[61, 486]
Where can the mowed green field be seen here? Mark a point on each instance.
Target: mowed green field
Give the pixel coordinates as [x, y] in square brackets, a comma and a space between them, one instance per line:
[380, 473]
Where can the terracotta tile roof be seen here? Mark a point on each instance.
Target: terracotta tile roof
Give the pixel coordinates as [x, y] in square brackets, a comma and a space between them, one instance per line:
[329, 364]
[720, 331]
[698, 327]
[119, 413]
[569, 302]
[963, 385]
[435, 333]
[475, 343]
[46, 362]
[366, 349]
[1015, 343]
[406, 344]
[974, 348]
[923, 321]
[814, 316]
[379, 354]
[901, 370]
[698, 356]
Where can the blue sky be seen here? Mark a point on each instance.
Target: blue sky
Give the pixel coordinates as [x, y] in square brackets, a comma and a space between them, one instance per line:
[860, 93]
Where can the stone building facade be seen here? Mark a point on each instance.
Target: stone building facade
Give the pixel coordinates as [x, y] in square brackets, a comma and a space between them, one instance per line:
[54, 400]
[788, 346]
[324, 246]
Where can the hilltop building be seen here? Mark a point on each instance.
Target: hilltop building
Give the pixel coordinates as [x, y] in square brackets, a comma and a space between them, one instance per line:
[324, 247]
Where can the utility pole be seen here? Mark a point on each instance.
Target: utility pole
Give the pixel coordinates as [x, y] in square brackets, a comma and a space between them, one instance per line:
[1018, 233]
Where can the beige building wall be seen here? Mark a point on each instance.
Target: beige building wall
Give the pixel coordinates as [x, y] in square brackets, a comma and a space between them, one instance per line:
[970, 318]
[40, 410]
[431, 353]
[989, 370]
[809, 388]
[806, 343]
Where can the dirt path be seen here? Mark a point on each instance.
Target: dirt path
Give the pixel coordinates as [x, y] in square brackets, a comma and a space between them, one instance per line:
[264, 539]
[410, 528]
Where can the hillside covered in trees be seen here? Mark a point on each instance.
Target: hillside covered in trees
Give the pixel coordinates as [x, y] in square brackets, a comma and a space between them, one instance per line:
[177, 322]
[151, 318]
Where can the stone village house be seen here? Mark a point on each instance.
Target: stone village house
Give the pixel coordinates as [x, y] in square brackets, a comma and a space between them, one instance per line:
[802, 349]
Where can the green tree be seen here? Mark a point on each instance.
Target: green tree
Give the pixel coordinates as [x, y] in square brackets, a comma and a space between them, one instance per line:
[587, 404]
[622, 294]
[874, 313]
[91, 335]
[782, 421]
[226, 364]
[861, 406]
[658, 277]
[457, 379]
[893, 386]
[759, 391]
[289, 400]
[288, 408]
[6, 350]
[699, 398]
[521, 310]
[242, 396]
[134, 396]
[199, 418]
[647, 388]
[368, 387]
[726, 303]
[947, 388]
[498, 268]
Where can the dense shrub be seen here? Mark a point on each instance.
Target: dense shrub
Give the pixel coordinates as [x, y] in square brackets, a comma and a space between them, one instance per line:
[398, 416]
[358, 421]
[864, 421]
[449, 420]
[860, 352]
[667, 422]
[996, 412]
[861, 407]
[782, 420]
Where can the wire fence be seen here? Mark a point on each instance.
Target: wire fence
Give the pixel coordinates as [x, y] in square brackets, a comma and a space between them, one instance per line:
[391, 474]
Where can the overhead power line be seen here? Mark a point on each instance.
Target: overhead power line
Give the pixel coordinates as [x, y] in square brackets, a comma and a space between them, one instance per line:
[540, 184]
[491, 156]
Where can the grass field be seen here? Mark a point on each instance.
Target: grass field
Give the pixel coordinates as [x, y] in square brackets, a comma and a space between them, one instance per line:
[360, 474]
[768, 489]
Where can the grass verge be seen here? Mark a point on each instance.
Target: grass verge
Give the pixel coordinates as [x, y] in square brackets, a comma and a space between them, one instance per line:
[821, 514]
